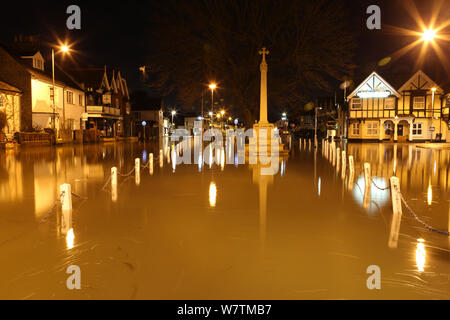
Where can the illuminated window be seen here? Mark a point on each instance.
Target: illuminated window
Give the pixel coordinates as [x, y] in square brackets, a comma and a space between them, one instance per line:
[390, 103]
[417, 129]
[80, 99]
[372, 129]
[2, 102]
[355, 129]
[356, 104]
[419, 102]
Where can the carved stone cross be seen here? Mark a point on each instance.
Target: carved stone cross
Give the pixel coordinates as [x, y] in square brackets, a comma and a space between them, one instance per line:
[264, 52]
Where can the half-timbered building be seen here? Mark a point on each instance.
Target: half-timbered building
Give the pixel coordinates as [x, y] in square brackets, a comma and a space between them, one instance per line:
[415, 112]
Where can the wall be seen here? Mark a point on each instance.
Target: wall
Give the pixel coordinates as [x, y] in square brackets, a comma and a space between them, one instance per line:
[11, 107]
[12, 72]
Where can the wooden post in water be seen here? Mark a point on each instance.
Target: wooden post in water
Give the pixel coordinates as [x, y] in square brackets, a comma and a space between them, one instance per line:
[150, 165]
[395, 194]
[397, 213]
[137, 171]
[114, 184]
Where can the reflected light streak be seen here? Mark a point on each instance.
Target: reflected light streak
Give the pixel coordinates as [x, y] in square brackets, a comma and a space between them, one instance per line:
[430, 195]
[319, 186]
[420, 255]
[212, 194]
[222, 159]
[70, 239]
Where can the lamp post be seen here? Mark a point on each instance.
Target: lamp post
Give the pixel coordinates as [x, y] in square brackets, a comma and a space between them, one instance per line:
[212, 86]
[64, 49]
[173, 114]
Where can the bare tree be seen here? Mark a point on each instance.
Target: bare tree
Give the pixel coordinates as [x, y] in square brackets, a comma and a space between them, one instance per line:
[195, 42]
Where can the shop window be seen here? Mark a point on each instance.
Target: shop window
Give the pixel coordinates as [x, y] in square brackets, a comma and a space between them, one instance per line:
[417, 129]
[372, 129]
[356, 104]
[355, 129]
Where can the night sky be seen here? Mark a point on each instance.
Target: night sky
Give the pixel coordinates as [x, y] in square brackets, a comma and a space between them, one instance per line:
[115, 33]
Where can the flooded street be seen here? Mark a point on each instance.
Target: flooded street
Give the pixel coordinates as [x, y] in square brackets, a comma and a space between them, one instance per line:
[222, 232]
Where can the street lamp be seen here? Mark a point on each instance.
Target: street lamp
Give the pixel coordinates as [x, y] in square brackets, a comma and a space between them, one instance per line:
[64, 49]
[173, 114]
[213, 87]
[428, 35]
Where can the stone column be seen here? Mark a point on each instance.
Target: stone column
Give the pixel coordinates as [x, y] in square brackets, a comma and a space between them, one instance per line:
[263, 100]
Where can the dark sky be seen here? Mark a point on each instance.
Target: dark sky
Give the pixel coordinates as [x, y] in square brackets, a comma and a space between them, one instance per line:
[113, 33]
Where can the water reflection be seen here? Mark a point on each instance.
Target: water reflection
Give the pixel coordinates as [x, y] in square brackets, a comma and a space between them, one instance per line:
[420, 255]
[212, 194]
[70, 239]
[296, 216]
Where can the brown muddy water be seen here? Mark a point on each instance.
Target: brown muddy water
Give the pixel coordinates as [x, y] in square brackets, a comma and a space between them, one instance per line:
[222, 232]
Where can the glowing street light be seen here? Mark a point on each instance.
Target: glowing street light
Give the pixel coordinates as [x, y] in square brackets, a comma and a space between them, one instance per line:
[65, 49]
[173, 114]
[428, 35]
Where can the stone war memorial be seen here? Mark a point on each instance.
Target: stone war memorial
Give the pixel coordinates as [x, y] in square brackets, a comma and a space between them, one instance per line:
[266, 141]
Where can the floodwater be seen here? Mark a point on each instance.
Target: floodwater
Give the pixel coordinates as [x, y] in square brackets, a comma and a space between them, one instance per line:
[225, 231]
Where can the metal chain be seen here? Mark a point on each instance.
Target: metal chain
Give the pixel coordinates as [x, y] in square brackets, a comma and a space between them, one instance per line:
[428, 227]
[79, 197]
[47, 216]
[445, 233]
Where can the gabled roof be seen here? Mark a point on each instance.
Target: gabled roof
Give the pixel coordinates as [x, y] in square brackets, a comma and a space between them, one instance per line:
[7, 87]
[62, 78]
[374, 83]
[420, 81]
[92, 78]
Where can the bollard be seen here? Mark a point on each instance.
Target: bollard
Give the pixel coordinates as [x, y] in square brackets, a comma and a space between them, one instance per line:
[113, 176]
[344, 164]
[395, 194]
[114, 184]
[137, 170]
[367, 175]
[351, 163]
[66, 197]
[150, 165]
